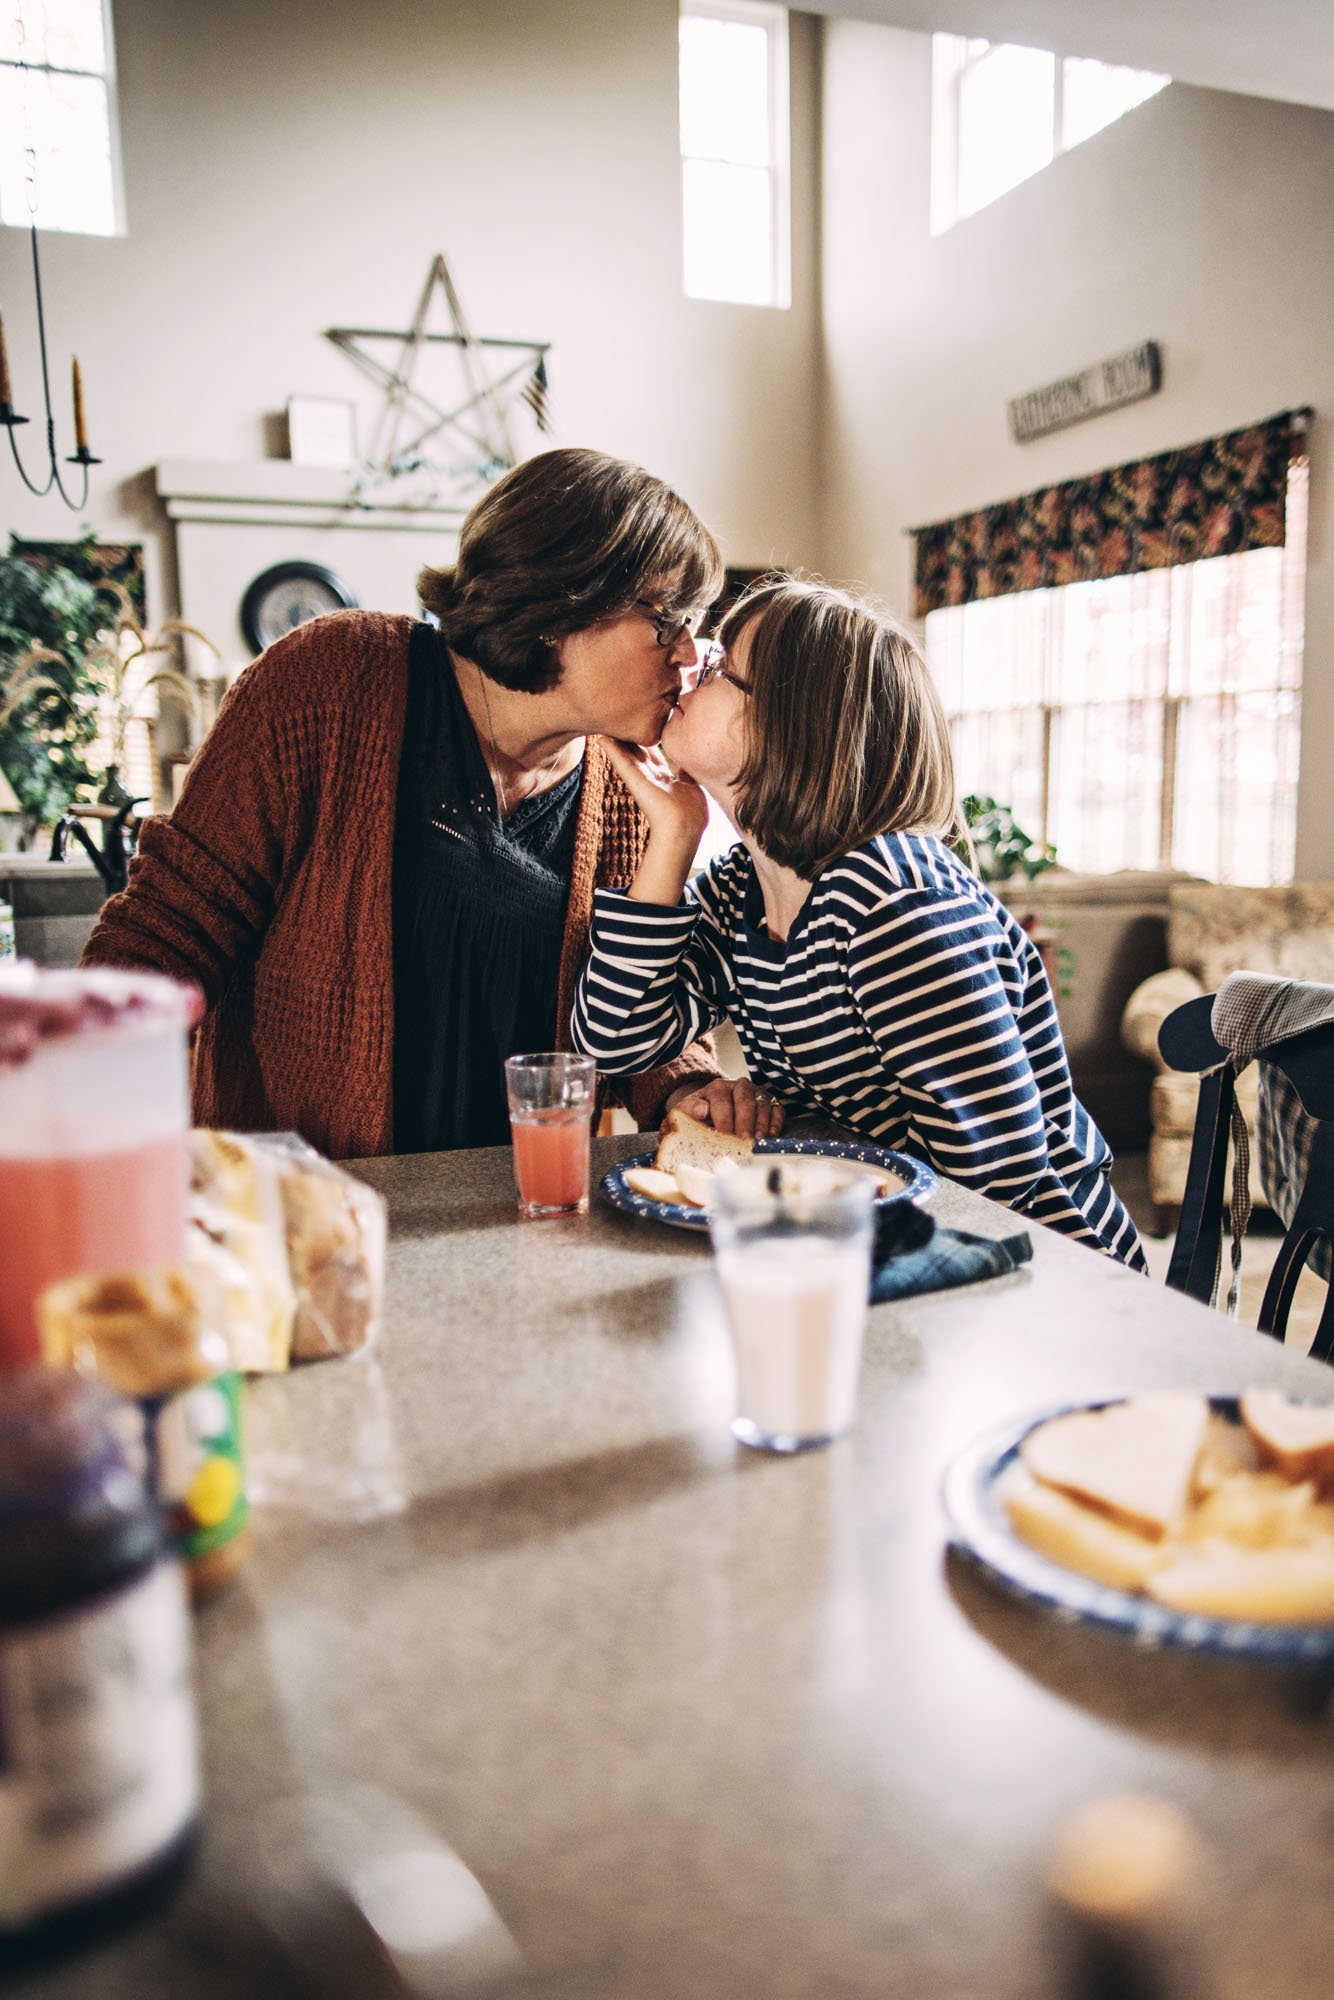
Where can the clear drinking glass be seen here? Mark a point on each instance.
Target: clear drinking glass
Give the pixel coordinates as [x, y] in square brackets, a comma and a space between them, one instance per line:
[551, 1114]
[94, 1111]
[795, 1273]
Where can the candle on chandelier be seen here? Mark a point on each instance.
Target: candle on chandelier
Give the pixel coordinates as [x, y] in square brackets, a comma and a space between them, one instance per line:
[80, 427]
[6, 391]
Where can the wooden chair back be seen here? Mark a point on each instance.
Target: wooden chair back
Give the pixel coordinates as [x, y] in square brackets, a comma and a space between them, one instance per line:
[1187, 1042]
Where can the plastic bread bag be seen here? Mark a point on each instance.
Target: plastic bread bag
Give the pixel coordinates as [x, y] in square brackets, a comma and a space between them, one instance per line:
[237, 1242]
[336, 1233]
[310, 1236]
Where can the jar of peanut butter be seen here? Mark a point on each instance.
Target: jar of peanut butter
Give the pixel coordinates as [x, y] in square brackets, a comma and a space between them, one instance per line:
[148, 1337]
[99, 1766]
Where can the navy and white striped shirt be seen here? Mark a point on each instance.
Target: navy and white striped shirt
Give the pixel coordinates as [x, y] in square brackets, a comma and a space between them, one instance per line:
[906, 1003]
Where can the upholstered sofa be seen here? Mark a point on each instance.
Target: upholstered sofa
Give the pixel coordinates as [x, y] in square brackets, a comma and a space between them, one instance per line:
[1213, 930]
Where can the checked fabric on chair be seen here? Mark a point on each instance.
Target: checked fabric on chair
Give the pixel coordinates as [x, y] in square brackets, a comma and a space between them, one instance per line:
[1287, 1027]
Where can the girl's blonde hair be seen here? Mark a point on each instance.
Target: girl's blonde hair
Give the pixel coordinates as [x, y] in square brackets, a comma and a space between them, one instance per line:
[846, 737]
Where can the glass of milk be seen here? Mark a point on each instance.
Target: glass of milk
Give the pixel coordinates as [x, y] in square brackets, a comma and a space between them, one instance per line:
[795, 1272]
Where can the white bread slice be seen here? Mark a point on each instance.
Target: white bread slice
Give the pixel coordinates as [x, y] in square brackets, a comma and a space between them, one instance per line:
[683, 1141]
[652, 1184]
[695, 1185]
[1136, 1459]
[1227, 1449]
[1298, 1438]
[1273, 1586]
[1079, 1537]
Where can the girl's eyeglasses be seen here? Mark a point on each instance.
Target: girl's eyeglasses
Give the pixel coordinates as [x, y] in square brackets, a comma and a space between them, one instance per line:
[712, 668]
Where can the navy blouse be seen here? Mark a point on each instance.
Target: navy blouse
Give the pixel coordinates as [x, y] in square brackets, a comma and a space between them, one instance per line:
[478, 918]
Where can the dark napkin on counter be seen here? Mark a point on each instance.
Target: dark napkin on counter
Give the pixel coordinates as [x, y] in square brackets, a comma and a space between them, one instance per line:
[913, 1254]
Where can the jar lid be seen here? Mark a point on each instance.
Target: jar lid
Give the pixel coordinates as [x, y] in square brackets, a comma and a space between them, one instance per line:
[39, 1004]
[56, 1434]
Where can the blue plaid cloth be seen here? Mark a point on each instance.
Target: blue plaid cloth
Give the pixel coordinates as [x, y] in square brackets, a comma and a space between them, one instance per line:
[948, 1257]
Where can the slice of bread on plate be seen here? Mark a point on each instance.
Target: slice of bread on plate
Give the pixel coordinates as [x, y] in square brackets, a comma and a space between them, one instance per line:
[1136, 1460]
[684, 1142]
[1078, 1537]
[1298, 1438]
[1278, 1586]
[652, 1183]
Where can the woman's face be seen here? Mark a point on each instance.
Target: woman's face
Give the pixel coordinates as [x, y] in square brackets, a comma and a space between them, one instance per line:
[706, 735]
[617, 679]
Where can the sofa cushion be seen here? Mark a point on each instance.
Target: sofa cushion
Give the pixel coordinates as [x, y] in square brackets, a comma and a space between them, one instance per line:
[1213, 930]
[1149, 1006]
[1173, 1095]
[1169, 1159]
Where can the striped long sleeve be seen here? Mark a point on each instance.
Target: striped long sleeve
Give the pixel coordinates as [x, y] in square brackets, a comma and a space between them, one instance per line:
[906, 1003]
[942, 996]
[657, 979]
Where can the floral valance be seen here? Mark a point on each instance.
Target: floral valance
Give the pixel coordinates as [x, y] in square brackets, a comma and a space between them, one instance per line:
[1210, 499]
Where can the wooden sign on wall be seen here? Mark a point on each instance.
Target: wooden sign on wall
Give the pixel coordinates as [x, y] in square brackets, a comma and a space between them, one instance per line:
[1126, 378]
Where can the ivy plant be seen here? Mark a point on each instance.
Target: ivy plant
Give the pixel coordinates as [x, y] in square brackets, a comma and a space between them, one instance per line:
[1001, 848]
[50, 620]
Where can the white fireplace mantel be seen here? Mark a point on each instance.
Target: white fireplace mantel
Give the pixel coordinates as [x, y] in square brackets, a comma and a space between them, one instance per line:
[232, 522]
[273, 491]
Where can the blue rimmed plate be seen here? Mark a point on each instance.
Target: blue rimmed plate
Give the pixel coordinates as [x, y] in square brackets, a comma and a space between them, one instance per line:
[981, 1531]
[918, 1180]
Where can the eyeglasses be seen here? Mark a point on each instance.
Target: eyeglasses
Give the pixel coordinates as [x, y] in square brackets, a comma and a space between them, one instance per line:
[669, 627]
[712, 668]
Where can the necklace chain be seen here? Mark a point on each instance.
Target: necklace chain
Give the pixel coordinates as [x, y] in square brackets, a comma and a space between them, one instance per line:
[493, 763]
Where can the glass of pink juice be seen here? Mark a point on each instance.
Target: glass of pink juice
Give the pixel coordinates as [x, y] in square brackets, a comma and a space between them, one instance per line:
[551, 1099]
[94, 1112]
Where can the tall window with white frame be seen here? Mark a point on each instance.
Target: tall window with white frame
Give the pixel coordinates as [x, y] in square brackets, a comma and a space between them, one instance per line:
[735, 194]
[1141, 721]
[59, 152]
[1001, 112]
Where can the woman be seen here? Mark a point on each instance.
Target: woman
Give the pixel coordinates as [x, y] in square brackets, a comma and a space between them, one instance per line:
[381, 866]
[870, 975]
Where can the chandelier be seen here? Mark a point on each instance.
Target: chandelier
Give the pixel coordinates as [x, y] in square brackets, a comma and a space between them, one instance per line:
[9, 416]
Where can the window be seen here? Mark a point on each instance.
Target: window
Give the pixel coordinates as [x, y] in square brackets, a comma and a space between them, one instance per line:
[1141, 721]
[1001, 113]
[734, 152]
[57, 116]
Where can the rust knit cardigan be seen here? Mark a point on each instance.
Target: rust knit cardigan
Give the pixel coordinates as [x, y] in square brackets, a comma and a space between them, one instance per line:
[270, 885]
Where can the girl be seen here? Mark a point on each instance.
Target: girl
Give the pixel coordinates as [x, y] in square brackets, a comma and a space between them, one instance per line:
[870, 976]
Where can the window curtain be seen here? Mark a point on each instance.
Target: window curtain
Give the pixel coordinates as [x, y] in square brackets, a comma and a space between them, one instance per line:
[1220, 497]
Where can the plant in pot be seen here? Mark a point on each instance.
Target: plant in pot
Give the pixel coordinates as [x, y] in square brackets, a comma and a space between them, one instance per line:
[76, 673]
[1000, 852]
[1001, 849]
[48, 710]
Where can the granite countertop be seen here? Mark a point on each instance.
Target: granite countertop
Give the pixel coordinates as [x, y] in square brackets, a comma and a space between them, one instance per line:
[705, 1723]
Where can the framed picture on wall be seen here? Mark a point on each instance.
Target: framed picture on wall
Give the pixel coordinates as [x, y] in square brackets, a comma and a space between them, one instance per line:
[321, 430]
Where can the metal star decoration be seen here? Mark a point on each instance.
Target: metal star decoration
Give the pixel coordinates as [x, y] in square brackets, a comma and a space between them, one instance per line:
[471, 441]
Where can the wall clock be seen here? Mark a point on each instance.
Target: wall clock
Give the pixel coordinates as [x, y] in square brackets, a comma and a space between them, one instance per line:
[288, 595]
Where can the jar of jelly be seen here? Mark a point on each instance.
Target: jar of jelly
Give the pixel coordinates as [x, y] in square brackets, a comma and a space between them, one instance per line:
[99, 1768]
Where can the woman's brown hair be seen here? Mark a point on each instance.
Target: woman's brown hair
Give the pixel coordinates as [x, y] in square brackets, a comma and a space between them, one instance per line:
[561, 542]
[846, 737]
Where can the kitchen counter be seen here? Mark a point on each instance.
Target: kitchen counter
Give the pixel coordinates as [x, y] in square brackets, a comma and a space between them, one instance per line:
[706, 1723]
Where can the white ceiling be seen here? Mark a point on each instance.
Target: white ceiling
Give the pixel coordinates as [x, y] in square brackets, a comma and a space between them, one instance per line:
[1267, 48]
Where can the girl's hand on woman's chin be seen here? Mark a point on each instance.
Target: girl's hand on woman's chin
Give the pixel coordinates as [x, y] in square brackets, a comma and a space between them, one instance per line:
[676, 808]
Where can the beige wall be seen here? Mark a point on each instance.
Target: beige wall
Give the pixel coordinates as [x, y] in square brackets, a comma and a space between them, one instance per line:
[1200, 220]
[294, 167]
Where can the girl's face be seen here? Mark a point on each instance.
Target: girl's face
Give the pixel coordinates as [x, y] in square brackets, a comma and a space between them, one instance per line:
[706, 735]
